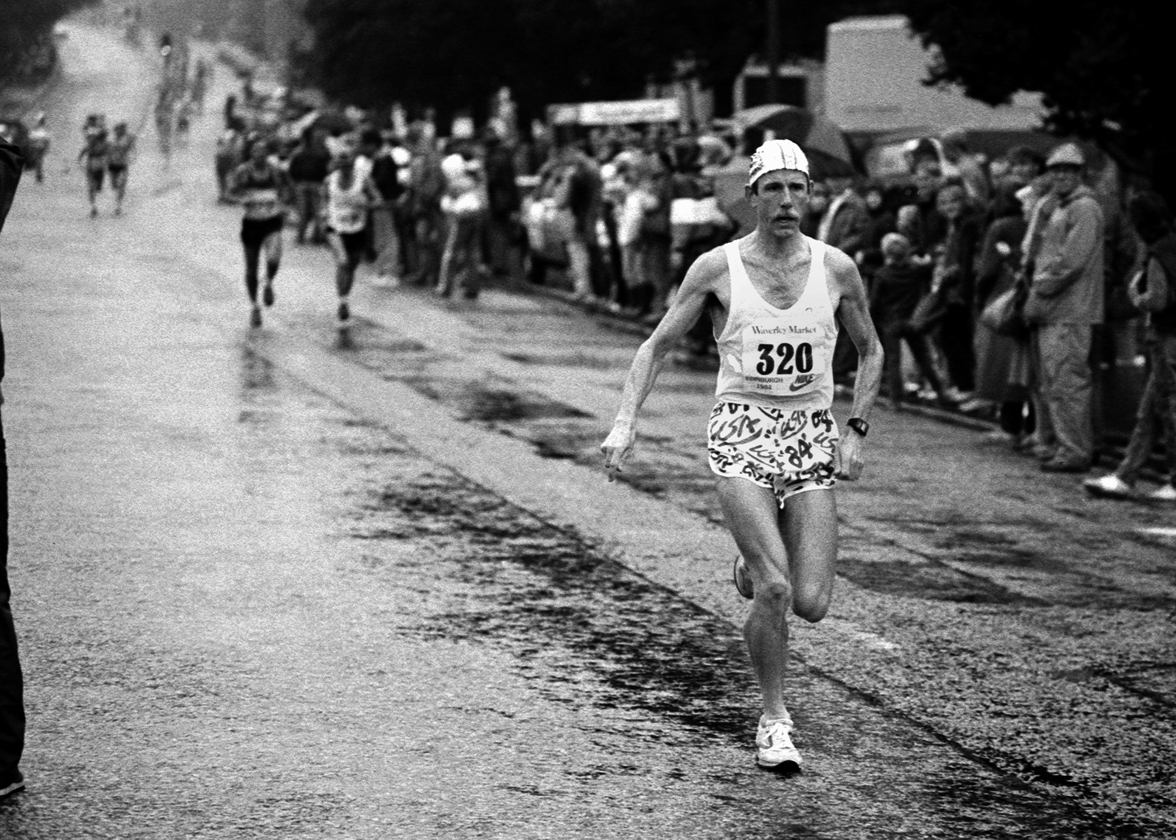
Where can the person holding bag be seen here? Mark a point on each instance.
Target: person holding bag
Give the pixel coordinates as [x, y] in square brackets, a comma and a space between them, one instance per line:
[1153, 290]
[1002, 336]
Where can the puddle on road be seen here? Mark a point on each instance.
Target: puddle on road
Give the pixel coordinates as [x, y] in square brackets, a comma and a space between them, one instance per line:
[595, 361]
[928, 581]
[977, 561]
[1153, 680]
[561, 609]
[489, 402]
[257, 373]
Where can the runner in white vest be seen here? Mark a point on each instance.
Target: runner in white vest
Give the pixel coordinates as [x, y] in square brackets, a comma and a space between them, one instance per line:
[776, 297]
[348, 196]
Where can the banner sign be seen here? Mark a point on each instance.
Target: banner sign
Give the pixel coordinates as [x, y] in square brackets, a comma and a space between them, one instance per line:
[621, 112]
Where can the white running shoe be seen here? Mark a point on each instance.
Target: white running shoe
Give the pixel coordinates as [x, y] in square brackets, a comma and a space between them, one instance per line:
[773, 741]
[1167, 493]
[1109, 487]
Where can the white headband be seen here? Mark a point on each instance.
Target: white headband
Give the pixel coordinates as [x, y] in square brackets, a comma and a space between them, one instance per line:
[775, 155]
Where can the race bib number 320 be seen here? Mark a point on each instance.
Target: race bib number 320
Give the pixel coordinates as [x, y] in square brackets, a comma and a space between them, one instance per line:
[784, 359]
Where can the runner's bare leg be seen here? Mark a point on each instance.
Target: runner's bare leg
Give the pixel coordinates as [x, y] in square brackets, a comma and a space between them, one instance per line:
[805, 530]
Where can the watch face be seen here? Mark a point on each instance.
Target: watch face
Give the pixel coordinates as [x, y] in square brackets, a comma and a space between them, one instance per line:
[858, 425]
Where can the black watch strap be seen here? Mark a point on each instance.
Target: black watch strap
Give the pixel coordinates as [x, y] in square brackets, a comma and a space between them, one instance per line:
[858, 425]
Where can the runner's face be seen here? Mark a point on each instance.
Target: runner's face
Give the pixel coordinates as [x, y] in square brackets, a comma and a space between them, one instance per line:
[780, 199]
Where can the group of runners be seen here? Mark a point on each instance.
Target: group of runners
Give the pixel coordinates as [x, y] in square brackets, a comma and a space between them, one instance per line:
[264, 189]
[105, 152]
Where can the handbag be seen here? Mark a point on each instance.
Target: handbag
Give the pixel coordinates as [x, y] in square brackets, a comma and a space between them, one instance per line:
[1118, 305]
[1005, 313]
[1036, 309]
[1152, 290]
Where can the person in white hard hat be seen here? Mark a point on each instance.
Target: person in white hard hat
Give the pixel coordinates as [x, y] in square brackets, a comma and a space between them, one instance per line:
[1063, 255]
[775, 297]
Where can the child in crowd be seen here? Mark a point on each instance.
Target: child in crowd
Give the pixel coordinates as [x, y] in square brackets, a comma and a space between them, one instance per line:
[898, 285]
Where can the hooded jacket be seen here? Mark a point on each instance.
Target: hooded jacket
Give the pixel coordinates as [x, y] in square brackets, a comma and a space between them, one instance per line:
[1065, 249]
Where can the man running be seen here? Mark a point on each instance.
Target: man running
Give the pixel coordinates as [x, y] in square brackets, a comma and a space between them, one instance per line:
[118, 161]
[348, 196]
[261, 187]
[775, 297]
[39, 142]
[93, 156]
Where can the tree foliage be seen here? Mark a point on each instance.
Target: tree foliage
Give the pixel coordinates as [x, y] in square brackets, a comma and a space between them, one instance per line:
[1101, 67]
[453, 54]
[24, 23]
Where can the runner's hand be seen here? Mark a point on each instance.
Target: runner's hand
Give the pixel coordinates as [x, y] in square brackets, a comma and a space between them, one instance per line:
[617, 448]
[849, 456]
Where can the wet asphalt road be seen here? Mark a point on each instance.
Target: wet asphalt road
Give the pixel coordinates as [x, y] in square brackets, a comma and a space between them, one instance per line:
[289, 583]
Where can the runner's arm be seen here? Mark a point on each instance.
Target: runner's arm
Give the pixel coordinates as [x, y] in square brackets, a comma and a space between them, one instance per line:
[689, 304]
[853, 310]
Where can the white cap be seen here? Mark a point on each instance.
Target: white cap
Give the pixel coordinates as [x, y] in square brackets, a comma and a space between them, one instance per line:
[1067, 154]
[775, 155]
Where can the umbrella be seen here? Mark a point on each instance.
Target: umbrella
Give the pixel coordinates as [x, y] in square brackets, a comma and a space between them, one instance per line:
[817, 135]
[714, 149]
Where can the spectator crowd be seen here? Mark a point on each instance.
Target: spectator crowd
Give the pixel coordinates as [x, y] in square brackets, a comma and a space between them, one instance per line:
[616, 216]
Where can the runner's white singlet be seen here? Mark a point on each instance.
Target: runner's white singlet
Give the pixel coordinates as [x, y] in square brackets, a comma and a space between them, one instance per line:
[778, 358]
[346, 208]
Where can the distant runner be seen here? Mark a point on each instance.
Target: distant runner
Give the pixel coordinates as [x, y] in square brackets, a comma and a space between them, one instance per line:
[348, 196]
[262, 188]
[775, 297]
[39, 143]
[94, 156]
[118, 162]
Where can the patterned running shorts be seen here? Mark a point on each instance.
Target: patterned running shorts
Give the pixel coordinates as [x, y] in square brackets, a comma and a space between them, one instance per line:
[788, 452]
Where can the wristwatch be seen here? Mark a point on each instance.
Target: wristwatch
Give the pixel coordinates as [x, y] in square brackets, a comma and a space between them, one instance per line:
[858, 425]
